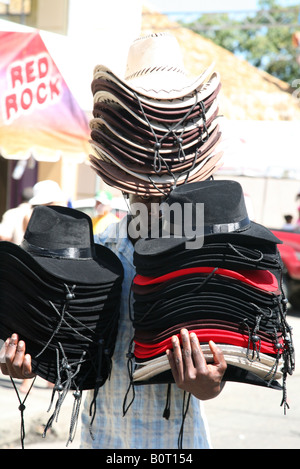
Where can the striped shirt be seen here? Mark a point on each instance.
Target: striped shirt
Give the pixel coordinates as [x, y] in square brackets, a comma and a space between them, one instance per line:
[143, 426]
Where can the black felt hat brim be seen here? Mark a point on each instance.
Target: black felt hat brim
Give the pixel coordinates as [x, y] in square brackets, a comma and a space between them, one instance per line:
[34, 316]
[105, 267]
[160, 245]
[227, 255]
[22, 274]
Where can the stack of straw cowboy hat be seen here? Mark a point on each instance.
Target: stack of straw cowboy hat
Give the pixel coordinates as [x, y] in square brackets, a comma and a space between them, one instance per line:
[157, 128]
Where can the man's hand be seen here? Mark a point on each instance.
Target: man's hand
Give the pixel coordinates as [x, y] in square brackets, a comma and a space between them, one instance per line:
[13, 359]
[190, 370]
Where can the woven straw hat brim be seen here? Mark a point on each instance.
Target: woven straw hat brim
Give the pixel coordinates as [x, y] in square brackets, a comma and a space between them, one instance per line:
[108, 98]
[119, 172]
[104, 80]
[141, 140]
[160, 89]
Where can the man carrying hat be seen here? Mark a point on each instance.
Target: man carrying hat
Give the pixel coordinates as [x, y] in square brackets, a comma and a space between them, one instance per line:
[146, 177]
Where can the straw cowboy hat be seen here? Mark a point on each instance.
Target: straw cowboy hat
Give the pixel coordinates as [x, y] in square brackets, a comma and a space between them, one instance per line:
[155, 69]
[149, 130]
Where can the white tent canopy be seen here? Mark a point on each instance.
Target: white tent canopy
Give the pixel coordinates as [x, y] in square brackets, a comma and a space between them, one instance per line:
[100, 37]
[261, 148]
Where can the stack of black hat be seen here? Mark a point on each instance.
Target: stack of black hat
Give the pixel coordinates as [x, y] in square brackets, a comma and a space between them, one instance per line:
[223, 282]
[60, 293]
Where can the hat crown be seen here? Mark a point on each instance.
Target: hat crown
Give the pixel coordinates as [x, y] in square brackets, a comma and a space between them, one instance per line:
[55, 227]
[154, 53]
[45, 192]
[223, 200]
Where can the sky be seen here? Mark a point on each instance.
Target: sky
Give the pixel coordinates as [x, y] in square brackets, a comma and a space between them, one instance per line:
[166, 6]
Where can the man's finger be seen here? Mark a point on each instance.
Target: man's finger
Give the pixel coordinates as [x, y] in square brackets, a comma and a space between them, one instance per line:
[218, 356]
[11, 350]
[177, 362]
[27, 369]
[186, 348]
[198, 356]
[3, 366]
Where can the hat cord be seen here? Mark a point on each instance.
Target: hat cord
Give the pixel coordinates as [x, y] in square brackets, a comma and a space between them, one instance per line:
[99, 382]
[62, 365]
[255, 338]
[288, 354]
[259, 259]
[69, 296]
[185, 408]
[287, 330]
[274, 368]
[284, 350]
[74, 415]
[201, 285]
[288, 351]
[22, 408]
[62, 388]
[166, 412]
[130, 357]
[158, 160]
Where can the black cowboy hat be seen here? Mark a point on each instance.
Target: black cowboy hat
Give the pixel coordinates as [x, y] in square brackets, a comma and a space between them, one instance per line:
[59, 241]
[232, 278]
[225, 218]
[60, 292]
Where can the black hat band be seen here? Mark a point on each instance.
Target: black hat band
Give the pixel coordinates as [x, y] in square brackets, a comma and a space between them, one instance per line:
[213, 229]
[227, 227]
[66, 253]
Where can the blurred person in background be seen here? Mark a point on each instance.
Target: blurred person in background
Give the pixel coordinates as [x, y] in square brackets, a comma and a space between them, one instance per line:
[14, 220]
[104, 217]
[288, 223]
[46, 192]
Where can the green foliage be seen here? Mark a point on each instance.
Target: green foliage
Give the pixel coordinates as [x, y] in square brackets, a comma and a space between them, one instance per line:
[263, 38]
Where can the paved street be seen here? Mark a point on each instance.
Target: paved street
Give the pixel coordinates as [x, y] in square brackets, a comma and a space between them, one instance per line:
[250, 417]
[242, 417]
